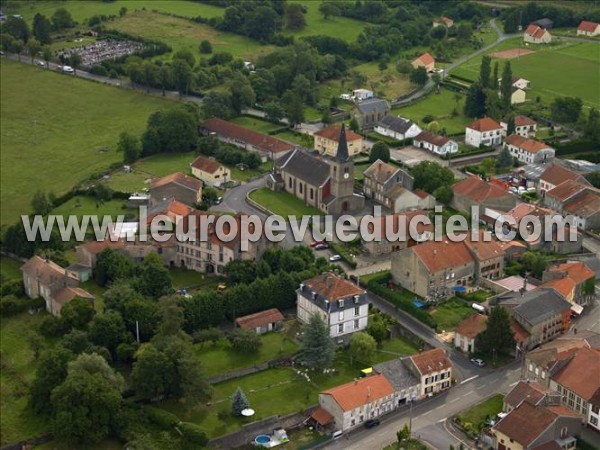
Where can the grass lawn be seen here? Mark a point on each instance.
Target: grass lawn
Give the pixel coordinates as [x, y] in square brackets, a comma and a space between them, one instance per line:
[440, 106]
[548, 68]
[80, 206]
[262, 126]
[450, 313]
[9, 268]
[478, 296]
[244, 175]
[183, 34]
[184, 278]
[282, 203]
[359, 169]
[221, 358]
[17, 422]
[51, 133]
[395, 348]
[475, 417]
[295, 137]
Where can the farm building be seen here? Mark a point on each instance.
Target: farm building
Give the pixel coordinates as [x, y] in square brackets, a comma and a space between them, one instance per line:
[587, 28]
[534, 34]
[261, 322]
[425, 60]
[210, 171]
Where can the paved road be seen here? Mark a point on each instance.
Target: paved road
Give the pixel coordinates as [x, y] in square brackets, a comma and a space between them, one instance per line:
[428, 414]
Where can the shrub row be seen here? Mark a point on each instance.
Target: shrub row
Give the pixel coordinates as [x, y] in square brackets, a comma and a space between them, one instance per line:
[11, 305]
[343, 252]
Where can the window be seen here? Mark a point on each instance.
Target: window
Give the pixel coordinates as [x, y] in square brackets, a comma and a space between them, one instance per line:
[341, 302]
[340, 328]
[312, 193]
[341, 315]
[290, 183]
[356, 310]
[300, 187]
[356, 324]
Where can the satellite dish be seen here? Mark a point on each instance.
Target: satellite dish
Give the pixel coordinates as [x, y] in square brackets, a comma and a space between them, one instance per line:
[248, 412]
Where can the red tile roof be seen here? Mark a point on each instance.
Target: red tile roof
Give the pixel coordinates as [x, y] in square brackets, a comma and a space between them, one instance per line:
[521, 121]
[527, 209]
[478, 190]
[529, 145]
[199, 221]
[588, 27]
[524, 390]
[437, 256]
[556, 174]
[584, 205]
[484, 124]
[432, 138]
[46, 271]
[564, 286]
[180, 179]
[484, 250]
[430, 361]
[332, 287]
[566, 190]
[259, 140]
[333, 133]
[380, 171]
[321, 416]
[425, 59]
[206, 164]
[173, 209]
[576, 271]
[95, 247]
[259, 319]
[472, 326]
[519, 333]
[420, 193]
[580, 375]
[360, 392]
[65, 295]
[535, 31]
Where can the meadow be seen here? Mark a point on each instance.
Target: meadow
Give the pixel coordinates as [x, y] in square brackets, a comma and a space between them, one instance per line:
[61, 130]
[561, 69]
[282, 203]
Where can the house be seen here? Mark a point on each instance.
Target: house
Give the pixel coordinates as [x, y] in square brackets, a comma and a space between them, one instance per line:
[531, 392]
[519, 82]
[589, 29]
[543, 313]
[353, 403]
[342, 305]
[440, 145]
[585, 207]
[475, 192]
[484, 132]
[266, 146]
[593, 417]
[210, 171]
[443, 21]
[210, 254]
[534, 34]
[261, 322]
[517, 95]
[369, 112]
[407, 385]
[425, 60]
[328, 139]
[171, 210]
[393, 232]
[57, 286]
[528, 150]
[434, 370]
[578, 381]
[397, 128]
[87, 254]
[359, 95]
[556, 174]
[466, 332]
[529, 427]
[524, 126]
[582, 280]
[178, 186]
[325, 183]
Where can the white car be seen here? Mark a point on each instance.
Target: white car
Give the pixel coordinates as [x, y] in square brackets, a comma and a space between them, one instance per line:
[68, 69]
[40, 63]
[334, 258]
[478, 362]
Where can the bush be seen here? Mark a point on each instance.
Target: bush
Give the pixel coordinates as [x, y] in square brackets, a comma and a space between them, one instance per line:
[12, 287]
[52, 326]
[428, 119]
[193, 434]
[161, 418]
[11, 305]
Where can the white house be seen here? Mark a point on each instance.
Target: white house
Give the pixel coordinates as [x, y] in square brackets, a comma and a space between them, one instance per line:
[483, 132]
[439, 145]
[434, 370]
[534, 34]
[340, 303]
[529, 151]
[467, 331]
[361, 94]
[352, 404]
[524, 126]
[517, 96]
[589, 29]
[397, 127]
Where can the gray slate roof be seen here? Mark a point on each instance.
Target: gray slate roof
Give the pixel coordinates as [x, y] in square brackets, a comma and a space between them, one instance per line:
[397, 373]
[308, 168]
[372, 105]
[540, 304]
[397, 124]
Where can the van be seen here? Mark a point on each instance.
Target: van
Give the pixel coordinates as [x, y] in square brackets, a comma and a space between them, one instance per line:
[337, 434]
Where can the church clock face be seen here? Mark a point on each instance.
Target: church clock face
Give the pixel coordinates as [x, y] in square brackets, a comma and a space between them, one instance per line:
[346, 175]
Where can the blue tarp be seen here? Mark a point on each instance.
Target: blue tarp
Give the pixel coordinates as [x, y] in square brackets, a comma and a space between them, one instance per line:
[418, 303]
[460, 289]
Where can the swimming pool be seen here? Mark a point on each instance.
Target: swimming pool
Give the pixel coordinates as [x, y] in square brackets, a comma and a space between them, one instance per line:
[262, 439]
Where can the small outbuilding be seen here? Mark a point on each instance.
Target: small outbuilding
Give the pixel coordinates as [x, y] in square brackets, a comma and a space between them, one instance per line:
[262, 322]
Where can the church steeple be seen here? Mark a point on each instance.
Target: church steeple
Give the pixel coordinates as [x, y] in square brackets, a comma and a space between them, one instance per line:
[342, 150]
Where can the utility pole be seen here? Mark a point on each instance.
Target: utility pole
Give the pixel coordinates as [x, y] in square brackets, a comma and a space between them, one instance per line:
[137, 331]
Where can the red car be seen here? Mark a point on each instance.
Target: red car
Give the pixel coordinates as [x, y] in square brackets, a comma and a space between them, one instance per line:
[315, 243]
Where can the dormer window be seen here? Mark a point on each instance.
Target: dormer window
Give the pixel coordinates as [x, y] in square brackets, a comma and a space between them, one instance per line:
[341, 303]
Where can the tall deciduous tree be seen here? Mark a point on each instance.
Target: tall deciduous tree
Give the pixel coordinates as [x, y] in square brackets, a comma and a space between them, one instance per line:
[294, 16]
[78, 312]
[566, 109]
[362, 347]
[42, 28]
[130, 146]
[475, 101]
[152, 374]
[50, 373]
[380, 150]
[154, 279]
[419, 76]
[33, 48]
[430, 175]
[316, 349]
[497, 336]
[62, 19]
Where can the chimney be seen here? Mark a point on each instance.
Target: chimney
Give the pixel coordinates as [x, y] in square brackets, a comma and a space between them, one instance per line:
[328, 280]
[368, 391]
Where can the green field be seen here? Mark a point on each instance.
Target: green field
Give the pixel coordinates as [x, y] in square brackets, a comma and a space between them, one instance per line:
[262, 126]
[282, 203]
[450, 313]
[80, 206]
[184, 34]
[475, 418]
[561, 69]
[440, 106]
[60, 129]
[9, 268]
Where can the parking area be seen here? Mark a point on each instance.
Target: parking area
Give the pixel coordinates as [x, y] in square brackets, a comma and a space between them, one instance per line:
[411, 156]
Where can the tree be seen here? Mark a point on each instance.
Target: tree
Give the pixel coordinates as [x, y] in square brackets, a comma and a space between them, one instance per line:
[510, 125]
[47, 55]
[362, 347]
[429, 176]
[75, 62]
[497, 335]
[17, 28]
[294, 16]
[183, 76]
[328, 9]
[205, 47]
[326, 118]
[506, 86]
[594, 178]
[436, 78]
[494, 105]
[505, 159]
[566, 109]
[154, 279]
[378, 329]
[88, 403]
[152, 374]
[130, 146]
[464, 32]
[165, 77]
[108, 330]
[151, 74]
[380, 150]
[239, 402]
[17, 47]
[242, 94]
[62, 19]
[475, 101]
[294, 109]
[316, 349]
[403, 434]
[40, 203]
[438, 32]
[42, 28]
[244, 341]
[353, 125]
[592, 126]
[78, 313]
[111, 266]
[443, 194]
[274, 111]
[33, 48]
[50, 373]
[485, 71]
[403, 66]
[535, 263]
[419, 76]
[173, 130]
[494, 79]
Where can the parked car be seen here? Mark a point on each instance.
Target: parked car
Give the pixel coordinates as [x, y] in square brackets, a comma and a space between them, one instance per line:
[218, 201]
[372, 423]
[315, 243]
[68, 69]
[40, 63]
[322, 246]
[478, 362]
[334, 258]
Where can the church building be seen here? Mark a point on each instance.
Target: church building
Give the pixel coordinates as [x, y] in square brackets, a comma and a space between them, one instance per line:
[325, 183]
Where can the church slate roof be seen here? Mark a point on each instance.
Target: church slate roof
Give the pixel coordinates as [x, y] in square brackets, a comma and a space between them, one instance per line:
[308, 168]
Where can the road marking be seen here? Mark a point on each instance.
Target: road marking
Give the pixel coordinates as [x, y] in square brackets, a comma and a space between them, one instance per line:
[443, 420]
[482, 386]
[455, 400]
[514, 384]
[469, 379]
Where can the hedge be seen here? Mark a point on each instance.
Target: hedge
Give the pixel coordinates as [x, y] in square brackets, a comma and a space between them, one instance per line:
[340, 250]
[193, 434]
[163, 419]
[11, 305]
[579, 146]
